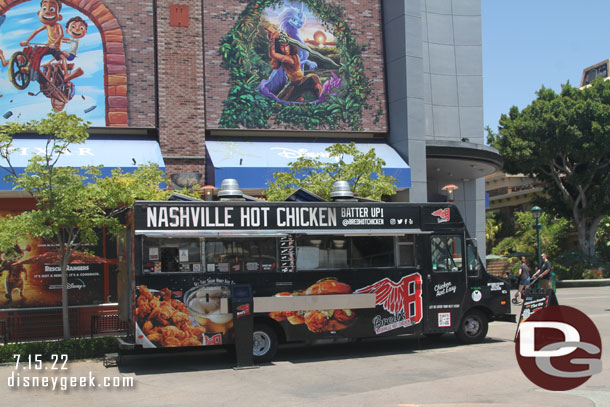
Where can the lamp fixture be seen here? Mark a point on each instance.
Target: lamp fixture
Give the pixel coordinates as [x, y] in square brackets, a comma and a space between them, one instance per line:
[536, 211]
[449, 188]
[208, 192]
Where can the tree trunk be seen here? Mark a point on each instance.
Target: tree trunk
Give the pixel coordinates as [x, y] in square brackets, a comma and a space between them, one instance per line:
[64, 297]
[587, 228]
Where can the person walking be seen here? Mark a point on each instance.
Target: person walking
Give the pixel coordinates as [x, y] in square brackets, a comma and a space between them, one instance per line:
[524, 279]
[544, 273]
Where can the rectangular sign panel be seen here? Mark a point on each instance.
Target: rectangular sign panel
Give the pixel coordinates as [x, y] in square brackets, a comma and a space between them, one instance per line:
[273, 216]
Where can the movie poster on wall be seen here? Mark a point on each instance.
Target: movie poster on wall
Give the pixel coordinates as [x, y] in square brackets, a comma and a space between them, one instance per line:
[301, 65]
[29, 279]
[52, 59]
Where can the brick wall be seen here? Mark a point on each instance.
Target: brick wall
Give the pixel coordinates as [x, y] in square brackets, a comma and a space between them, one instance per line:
[181, 99]
[363, 18]
[136, 21]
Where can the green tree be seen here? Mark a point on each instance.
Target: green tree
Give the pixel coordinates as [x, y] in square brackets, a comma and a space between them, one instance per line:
[364, 172]
[553, 231]
[493, 225]
[603, 239]
[68, 210]
[562, 140]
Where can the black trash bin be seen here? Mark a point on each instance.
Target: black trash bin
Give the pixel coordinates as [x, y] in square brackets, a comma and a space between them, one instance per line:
[242, 304]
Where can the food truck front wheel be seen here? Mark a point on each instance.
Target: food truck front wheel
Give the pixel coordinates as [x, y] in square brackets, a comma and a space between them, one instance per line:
[473, 327]
[265, 343]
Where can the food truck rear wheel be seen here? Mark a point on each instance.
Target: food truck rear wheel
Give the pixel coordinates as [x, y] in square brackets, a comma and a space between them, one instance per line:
[265, 343]
[473, 327]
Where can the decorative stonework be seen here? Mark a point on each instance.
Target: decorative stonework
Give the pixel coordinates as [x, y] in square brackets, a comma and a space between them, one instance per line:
[115, 70]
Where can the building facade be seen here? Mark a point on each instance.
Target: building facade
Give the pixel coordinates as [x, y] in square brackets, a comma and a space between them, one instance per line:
[435, 98]
[203, 88]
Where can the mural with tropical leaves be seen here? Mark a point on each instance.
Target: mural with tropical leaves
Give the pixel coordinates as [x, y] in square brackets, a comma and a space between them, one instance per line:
[293, 64]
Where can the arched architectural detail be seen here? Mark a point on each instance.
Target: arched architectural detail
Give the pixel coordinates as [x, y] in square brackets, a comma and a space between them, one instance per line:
[115, 69]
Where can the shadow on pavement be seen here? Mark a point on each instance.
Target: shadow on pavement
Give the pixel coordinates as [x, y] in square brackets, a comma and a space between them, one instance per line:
[164, 361]
[369, 347]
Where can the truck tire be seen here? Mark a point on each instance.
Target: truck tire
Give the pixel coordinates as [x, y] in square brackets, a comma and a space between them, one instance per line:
[473, 327]
[265, 343]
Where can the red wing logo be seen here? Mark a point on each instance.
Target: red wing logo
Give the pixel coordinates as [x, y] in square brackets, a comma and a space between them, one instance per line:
[243, 310]
[444, 215]
[403, 297]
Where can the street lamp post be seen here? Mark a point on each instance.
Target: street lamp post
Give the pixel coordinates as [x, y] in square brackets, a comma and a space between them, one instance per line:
[537, 211]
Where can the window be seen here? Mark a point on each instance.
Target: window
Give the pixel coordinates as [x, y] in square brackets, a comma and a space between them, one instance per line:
[600, 71]
[407, 253]
[372, 251]
[238, 255]
[321, 252]
[474, 265]
[171, 255]
[446, 253]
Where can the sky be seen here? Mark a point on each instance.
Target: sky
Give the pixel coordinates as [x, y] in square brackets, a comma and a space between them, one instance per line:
[22, 105]
[530, 43]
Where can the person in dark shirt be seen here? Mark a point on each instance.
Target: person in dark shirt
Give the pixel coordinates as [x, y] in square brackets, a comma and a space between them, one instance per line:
[544, 272]
[524, 279]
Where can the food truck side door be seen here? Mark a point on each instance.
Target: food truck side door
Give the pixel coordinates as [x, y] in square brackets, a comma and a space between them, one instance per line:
[445, 283]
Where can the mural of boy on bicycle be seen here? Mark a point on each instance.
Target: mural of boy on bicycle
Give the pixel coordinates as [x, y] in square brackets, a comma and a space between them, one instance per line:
[55, 76]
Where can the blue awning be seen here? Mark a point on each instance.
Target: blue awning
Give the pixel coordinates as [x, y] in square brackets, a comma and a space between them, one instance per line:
[252, 163]
[113, 153]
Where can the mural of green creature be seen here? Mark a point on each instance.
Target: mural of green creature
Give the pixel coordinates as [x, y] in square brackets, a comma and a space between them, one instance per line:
[293, 64]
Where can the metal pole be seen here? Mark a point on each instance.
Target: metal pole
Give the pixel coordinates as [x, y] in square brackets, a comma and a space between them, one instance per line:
[538, 227]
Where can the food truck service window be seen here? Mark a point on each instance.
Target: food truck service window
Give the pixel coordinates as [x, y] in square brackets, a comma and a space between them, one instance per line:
[168, 255]
[321, 252]
[446, 253]
[327, 252]
[372, 251]
[241, 254]
[407, 253]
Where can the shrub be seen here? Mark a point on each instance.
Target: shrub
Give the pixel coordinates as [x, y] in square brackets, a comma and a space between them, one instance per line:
[74, 348]
[592, 274]
[574, 264]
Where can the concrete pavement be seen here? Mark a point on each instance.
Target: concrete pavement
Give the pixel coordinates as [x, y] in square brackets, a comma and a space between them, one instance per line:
[393, 372]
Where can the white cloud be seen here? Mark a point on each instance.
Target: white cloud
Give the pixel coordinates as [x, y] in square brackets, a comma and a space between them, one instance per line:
[24, 9]
[90, 41]
[25, 20]
[91, 62]
[35, 108]
[20, 35]
[89, 90]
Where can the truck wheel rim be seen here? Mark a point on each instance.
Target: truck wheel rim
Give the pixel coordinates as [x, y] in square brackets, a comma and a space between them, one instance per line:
[472, 326]
[262, 343]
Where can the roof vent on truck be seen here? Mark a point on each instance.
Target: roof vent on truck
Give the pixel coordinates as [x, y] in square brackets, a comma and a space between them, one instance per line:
[229, 191]
[341, 191]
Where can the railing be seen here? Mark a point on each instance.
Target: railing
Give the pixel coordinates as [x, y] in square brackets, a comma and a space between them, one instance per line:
[107, 324]
[47, 323]
[4, 331]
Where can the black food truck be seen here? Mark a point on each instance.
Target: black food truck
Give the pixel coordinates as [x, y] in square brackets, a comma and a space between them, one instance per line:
[317, 270]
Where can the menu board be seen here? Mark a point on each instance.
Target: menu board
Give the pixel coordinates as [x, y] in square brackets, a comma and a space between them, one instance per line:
[534, 302]
[287, 254]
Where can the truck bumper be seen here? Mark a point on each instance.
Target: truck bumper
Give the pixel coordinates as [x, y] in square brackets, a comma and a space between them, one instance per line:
[125, 345]
[506, 318]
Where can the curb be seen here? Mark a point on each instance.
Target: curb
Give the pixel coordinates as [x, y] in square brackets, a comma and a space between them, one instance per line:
[602, 282]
